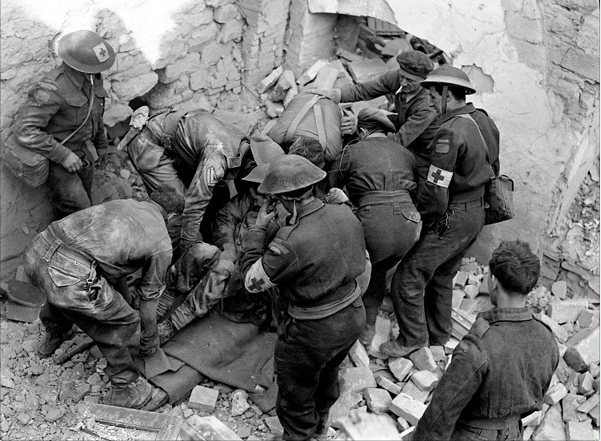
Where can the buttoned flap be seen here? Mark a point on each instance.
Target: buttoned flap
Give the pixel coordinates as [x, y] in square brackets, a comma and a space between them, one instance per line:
[410, 212]
[100, 92]
[76, 99]
[62, 278]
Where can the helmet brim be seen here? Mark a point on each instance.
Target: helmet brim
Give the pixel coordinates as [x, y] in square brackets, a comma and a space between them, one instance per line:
[449, 81]
[85, 68]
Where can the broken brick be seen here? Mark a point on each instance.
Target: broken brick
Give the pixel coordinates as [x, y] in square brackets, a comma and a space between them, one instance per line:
[425, 380]
[589, 404]
[388, 384]
[407, 408]
[555, 394]
[423, 359]
[358, 378]
[569, 404]
[400, 367]
[412, 390]
[563, 311]
[378, 400]
[203, 399]
[583, 349]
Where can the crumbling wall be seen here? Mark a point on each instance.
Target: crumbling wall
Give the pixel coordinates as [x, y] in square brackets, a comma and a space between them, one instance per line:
[184, 53]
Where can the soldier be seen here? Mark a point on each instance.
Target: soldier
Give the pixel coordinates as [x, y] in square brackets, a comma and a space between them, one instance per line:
[62, 119]
[452, 209]
[315, 260]
[75, 260]
[502, 368]
[193, 151]
[414, 118]
[380, 177]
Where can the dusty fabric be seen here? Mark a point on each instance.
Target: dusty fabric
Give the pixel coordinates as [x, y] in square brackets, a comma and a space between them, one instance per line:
[495, 373]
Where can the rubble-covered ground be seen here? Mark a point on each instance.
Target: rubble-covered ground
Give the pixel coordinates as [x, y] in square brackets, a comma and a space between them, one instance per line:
[46, 401]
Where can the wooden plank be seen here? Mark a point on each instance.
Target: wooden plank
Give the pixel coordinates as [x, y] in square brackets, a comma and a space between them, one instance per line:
[130, 418]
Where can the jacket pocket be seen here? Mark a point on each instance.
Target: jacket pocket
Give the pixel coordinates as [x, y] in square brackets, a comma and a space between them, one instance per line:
[76, 107]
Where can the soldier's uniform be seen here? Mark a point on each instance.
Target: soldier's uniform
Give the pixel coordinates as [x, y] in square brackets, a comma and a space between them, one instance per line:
[192, 151]
[380, 177]
[315, 263]
[500, 372]
[75, 260]
[452, 209]
[56, 106]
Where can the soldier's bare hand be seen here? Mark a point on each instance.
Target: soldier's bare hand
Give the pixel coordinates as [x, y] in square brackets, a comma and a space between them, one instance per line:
[348, 125]
[264, 216]
[72, 163]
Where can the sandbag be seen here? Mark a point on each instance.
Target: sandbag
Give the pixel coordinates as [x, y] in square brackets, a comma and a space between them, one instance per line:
[314, 116]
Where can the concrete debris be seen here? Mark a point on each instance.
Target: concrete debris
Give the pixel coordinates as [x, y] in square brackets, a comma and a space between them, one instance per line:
[203, 399]
[378, 400]
[310, 74]
[270, 80]
[366, 69]
[423, 359]
[408, 408]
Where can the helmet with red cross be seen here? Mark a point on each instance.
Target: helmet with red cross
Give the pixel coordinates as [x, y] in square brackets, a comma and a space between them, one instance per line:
[86, 51]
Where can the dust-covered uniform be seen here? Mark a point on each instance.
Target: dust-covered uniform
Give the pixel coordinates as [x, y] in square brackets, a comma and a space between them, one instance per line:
[451, 205]
[314, 263]
[499, 373]
[75, 260]
[56, 106]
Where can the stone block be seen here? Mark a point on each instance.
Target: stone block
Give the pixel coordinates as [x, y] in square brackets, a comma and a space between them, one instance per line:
[462, 323]
[438, 353]
[378, 400]
[588, 318]
[270, 79]
[594, 414]
[583, 63]
[580, 431]
[528, 431]
[358, 378]
[483, 288]
[471, 291]
[358, 354]
[310, 74]
[274, 425]
[560, 334]
[239, 402]
[589, 404]
[203, 399]
[425, 380]
[552, 427]
[325, 79]
[283, 85]
[555, 394]
[460, 279]
[400, 367]
[402, 424]
[423, 360]
[569, 404]
[225, 13]
[468, 304]
[534, 419]
[559, 289]
[366, 69]
[583, 349]
[182, 66]
[137, 86]
[563, 311]
[208, 427]
[388, 384]
[408, 408]
[450, 345]
[410, 389]
[585, 384]
[343, 405]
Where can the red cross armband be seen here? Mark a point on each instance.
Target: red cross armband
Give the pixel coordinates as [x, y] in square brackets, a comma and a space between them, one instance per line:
[439, 176]
[256, 279]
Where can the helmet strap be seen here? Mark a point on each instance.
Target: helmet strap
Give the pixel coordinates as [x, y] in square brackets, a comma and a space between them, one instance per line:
[445, 95]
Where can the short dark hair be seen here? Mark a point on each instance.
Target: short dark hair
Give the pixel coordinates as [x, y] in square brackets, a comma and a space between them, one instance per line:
[515, 266]
[309, 148]
[169, 198]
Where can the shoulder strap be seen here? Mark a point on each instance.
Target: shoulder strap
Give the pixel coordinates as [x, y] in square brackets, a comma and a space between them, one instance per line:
[300, 115]
[468, 116]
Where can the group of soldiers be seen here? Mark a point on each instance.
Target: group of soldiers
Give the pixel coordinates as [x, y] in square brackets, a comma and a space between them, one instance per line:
[235, 217]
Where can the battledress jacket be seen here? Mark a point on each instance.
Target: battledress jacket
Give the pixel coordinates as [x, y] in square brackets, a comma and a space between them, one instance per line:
[502, 368]
[55, 107]
[415, 115]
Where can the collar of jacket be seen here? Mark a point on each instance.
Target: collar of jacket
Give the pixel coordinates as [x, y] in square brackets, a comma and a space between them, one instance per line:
[77, 78]
[507, 315]
[308, 208]
[463, 110]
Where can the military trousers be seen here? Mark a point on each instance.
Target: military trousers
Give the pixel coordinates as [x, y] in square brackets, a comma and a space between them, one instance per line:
[69, 192]
[77, 294]
[422, 286]
[308, 354]
[390, 229]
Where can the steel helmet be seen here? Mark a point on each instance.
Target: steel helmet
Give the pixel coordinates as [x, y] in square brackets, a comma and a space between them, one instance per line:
[86, 51]
[264, 149]
[370, 118]
[290, 172]
[450, 76]
[257, 174]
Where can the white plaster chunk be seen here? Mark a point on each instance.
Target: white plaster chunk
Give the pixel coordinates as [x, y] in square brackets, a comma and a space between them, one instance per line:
[135, 87]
